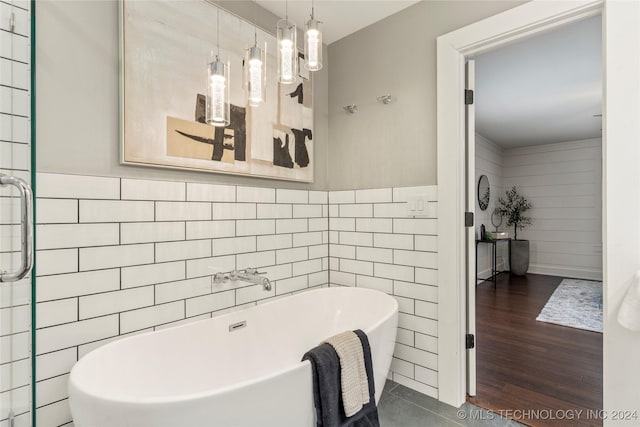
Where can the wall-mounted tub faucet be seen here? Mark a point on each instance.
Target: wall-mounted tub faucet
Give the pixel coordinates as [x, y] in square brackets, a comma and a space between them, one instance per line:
[251, 275]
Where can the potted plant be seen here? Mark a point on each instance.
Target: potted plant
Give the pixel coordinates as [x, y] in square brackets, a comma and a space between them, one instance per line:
[512, 208]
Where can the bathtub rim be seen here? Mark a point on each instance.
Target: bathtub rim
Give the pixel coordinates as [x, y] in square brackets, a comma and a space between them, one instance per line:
[229, 388]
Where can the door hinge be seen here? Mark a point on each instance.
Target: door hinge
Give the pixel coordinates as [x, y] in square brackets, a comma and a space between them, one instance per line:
[468, 219]
[468, 97]
[470, 341]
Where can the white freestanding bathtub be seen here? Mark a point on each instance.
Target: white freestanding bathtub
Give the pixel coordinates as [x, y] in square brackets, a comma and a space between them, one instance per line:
[208, 373]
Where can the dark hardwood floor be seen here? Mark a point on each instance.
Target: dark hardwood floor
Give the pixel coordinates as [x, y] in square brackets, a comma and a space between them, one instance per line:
[528, 365]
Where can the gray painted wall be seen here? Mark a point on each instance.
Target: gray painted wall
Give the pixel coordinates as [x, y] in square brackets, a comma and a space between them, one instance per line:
[77, 96]
[392, 145]
[380, 146]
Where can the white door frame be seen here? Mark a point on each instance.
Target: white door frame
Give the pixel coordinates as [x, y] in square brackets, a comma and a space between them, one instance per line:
[452, 49]
[470, 201]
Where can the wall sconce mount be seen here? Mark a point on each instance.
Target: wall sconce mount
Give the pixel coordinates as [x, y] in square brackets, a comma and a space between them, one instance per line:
[385, 99]
[351, 108]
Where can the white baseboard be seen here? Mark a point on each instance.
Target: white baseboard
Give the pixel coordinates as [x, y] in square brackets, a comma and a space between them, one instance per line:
[548, 270]
[552, 270]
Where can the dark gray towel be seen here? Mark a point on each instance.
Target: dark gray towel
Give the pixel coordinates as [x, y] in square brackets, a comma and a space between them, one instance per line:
[327, 393]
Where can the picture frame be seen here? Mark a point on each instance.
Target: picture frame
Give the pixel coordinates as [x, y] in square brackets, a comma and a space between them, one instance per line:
[165, 47]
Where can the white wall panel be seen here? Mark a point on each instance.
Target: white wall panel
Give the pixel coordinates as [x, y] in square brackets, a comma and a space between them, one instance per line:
[563, 182]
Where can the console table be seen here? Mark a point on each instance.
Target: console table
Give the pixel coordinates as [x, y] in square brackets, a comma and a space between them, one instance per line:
[494, 268]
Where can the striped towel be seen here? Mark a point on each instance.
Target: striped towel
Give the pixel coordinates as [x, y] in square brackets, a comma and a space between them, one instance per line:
[353, 375]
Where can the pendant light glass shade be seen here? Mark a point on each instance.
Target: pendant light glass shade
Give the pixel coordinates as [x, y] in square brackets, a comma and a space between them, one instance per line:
[313, 45]
[255, 74]
[287, 52]
[218, 113]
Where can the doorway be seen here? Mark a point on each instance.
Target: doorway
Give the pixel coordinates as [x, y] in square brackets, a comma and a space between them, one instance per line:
[621, 65]
[621, 131]
[538, 144]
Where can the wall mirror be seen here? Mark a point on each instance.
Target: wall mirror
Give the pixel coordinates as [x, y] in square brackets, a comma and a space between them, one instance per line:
[484, 192]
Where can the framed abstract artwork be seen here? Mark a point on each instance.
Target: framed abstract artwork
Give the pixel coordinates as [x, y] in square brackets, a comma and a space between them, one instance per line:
[165, 48]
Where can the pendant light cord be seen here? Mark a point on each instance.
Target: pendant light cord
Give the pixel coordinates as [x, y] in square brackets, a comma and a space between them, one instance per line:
[312, 10]
[255, 28]
[218, 31]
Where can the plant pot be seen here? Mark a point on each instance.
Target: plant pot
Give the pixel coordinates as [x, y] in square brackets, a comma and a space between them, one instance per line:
[519, 257]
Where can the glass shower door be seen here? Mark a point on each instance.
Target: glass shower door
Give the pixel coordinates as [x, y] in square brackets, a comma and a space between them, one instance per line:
[16, 222]
[16, 255]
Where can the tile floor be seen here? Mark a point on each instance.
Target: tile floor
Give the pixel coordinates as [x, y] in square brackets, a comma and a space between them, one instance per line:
[402, 407]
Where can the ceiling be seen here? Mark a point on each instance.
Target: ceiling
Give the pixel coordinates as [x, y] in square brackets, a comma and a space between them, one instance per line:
[542, 90]
[339, 17]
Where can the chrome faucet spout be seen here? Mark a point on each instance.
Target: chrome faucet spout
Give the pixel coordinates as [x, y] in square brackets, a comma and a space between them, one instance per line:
[251, 275]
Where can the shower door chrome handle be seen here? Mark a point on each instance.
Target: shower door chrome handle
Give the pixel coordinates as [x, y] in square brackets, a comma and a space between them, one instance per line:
[26, 226]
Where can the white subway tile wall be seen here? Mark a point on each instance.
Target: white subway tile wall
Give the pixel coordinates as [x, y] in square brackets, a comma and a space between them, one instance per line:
[374, 244]
[123, 256]
[126, 258]
[15, 160]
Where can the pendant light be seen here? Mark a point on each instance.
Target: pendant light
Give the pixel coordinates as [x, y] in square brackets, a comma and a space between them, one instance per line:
[255, 69]
[313, 43]
[218, 86]
[287, 49]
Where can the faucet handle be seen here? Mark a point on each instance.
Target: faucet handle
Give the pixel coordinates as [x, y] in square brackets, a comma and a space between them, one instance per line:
[266, 284]
[253, 271]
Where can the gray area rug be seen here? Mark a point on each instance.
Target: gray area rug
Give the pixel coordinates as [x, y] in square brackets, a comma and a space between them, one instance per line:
[575, 303]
